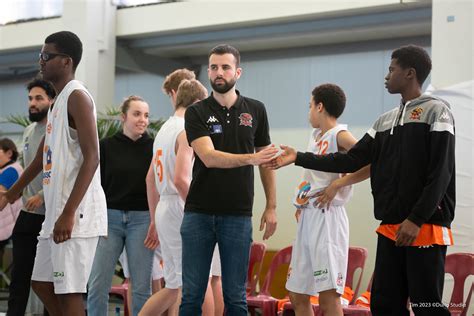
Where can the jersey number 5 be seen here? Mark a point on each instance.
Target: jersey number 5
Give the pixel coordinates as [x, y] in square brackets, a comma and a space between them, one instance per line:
[159, 165]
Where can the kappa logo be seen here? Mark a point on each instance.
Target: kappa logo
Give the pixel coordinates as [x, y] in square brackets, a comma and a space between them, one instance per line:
[212, 119]
[444, 116]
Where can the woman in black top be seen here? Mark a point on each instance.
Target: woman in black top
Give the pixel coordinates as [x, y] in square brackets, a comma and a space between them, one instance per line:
[124, 161]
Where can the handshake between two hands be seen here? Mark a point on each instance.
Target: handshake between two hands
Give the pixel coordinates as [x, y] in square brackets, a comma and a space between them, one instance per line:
[273, 158]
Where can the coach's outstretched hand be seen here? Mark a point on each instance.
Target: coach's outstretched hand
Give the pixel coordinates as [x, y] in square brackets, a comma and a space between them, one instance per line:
[287, 156]
[264, 155]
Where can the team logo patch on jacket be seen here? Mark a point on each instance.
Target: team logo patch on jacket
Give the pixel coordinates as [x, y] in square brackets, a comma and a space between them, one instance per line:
[416, 114]
[246, 119]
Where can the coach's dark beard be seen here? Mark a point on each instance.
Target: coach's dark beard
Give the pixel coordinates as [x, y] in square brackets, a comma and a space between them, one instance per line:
[223, 88]
[38, 116]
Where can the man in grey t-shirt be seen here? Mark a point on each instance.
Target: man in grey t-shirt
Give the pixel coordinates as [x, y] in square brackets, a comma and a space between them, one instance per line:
[28, 225]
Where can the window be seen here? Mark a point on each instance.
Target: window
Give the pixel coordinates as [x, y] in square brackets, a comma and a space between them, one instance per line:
[131, 3]
[27, 10]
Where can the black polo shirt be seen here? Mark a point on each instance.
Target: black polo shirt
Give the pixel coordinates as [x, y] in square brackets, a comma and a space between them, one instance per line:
[237, 130]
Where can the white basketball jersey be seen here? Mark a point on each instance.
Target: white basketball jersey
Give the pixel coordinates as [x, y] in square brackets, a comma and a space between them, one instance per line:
[164, 155]
[313, 181]
[62, 158]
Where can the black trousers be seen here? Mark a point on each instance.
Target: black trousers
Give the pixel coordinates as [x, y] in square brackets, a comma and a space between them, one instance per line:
[24, 238]
[408, 272]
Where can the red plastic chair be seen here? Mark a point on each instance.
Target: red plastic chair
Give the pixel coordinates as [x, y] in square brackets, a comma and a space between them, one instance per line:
[257, 253]
[264, 300]
[359, 310]
[356, 260]
[460, 266]
[121, 290]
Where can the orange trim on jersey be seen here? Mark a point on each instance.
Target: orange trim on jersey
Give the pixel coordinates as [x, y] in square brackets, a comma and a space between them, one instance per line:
[429, 234]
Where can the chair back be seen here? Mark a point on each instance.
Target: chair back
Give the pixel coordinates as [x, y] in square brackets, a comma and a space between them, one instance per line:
[460, 266]
[282, 257]
[357, 258]
[257, 253]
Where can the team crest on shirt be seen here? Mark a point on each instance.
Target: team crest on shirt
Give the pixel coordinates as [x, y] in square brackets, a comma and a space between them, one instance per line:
[47, 167]
[302, 196]
[245, 119]
[416, 114]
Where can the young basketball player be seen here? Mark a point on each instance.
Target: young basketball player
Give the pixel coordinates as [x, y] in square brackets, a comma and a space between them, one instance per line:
[76, 211]
[172, 165]
[319, 257]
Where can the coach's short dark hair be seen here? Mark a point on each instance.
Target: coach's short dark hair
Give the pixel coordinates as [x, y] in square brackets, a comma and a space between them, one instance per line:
[412, 56]
[222, 49]
[67, 43]
[332, 97]
[43, 84]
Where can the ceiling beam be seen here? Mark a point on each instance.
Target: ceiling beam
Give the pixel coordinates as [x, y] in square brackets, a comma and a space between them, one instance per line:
[137, 61]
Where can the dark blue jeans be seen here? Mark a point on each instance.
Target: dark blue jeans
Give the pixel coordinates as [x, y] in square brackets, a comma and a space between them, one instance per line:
[200, 233]
[126, 229]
